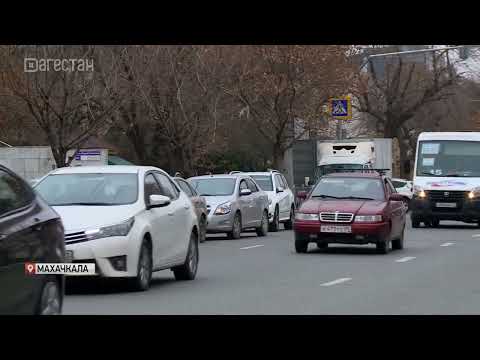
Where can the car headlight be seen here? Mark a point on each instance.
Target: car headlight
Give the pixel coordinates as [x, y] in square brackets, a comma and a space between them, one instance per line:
[419, 192]
[303, 216]
[269, 201]
[475, 193]
[223, 209]
[121, 229]
[368, 218]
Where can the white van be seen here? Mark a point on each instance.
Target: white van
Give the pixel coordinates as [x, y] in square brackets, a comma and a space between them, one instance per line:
[446, 180]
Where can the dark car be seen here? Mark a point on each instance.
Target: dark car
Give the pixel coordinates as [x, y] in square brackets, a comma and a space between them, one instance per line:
[30, 231]
[351, 208]
[200, 205]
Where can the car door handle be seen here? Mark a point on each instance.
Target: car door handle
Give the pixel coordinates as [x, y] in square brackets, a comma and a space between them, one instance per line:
[2, 236]
[186, 207]
[170, 214]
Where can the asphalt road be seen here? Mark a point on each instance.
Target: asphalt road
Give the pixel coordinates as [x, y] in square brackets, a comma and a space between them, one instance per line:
[437, 273]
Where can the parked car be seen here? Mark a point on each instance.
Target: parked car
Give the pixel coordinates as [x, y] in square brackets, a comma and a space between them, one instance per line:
[351, 208]
[199, 203]
[405, 188]
[234, 203]
[30, 231]
[281, 200]
[128, 220]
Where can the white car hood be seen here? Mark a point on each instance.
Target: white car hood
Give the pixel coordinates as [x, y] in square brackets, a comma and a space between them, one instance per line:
[80, 218]
[447, 183]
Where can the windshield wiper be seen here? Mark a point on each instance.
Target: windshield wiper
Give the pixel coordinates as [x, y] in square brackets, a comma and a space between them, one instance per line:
[356, 197]
[326, 196]
[208, 195]
[85, 204]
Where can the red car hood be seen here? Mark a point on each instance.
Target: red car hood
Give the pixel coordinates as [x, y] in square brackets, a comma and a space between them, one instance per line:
[348, 206]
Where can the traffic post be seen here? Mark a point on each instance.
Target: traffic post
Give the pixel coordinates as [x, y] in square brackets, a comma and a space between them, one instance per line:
[341, 110]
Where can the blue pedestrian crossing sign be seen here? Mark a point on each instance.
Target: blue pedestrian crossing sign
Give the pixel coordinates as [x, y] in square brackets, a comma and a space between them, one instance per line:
[341, 108]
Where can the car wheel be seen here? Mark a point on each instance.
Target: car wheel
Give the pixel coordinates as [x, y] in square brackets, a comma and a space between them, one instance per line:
[203, 228]
[141, 282]
[301, 243]
[188, 270]
[275, 225]
[263, 229]
[50, 299]
[397, 244]
[289, 223]
[322, 245]
[415, 223]
[236, 227]
[435, 223]
[383, 247]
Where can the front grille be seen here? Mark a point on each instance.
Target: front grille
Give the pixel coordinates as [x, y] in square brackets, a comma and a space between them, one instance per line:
[76, 237]
[441, 195]
[336, 217]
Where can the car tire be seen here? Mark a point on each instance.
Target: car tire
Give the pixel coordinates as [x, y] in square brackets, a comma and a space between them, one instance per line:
[301, 243]
[434, 223]
[289, 223]
[141, 282]
[415, 223]
[383, 247]
[398, 244]
[50, 301]
[262, 230]
[322, 245]
[203, 228]
[275, 225]
[188, 270]
[236, 227]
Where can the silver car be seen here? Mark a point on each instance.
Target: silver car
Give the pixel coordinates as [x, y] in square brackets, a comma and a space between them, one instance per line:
[234, 203]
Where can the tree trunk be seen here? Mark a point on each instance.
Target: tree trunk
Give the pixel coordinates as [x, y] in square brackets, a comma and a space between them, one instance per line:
[403, 147]
[278, 154]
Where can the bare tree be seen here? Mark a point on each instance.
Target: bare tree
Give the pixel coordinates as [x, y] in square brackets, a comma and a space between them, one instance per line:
[391, 100]
[283, 86]
[68, 105]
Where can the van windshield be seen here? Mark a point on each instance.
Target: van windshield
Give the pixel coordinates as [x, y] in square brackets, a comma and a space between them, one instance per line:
[454, 158]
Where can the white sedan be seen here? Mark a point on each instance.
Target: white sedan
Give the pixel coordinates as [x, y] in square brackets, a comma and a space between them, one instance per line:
[128, 220]
[403, 187]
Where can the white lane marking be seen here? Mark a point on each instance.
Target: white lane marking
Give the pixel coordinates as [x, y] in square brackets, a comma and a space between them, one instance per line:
[251, 247]
[335, 282]
[407, 258]
[476, 235]
[447, 244]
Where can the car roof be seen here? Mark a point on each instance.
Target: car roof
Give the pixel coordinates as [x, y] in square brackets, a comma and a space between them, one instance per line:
[218, 176]
[265, 173]
[106, 169]
[370, 175]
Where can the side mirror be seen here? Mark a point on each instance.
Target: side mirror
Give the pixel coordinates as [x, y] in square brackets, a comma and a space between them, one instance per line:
[302, 195]
[280, 189]
[245, 192]
[158, 201]
[396, 197]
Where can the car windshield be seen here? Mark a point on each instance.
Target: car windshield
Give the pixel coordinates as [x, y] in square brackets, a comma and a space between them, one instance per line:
[89, 189]
[332, 168]
[214, 186]
[349, 188]
[398, 184]
[448, 158]
[264, 181]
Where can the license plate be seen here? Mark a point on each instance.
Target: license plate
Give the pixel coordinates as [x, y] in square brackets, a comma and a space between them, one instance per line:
[345, 229]
[446, 205]
[68, 256]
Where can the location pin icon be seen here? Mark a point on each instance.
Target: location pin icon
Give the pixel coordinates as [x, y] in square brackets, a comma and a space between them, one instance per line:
[30, 268]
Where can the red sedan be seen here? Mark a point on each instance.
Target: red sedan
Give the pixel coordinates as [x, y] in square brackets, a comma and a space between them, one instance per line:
[351, 208]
